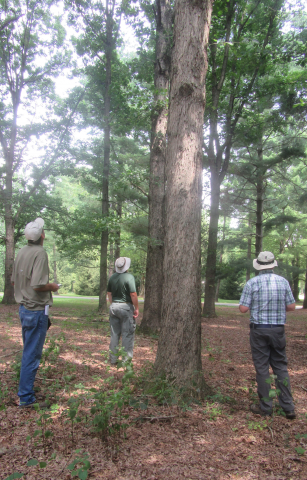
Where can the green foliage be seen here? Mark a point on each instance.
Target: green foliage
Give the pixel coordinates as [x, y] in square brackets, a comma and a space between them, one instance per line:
[257, 425]
[14, 475]
[108, 418]
[82, 463]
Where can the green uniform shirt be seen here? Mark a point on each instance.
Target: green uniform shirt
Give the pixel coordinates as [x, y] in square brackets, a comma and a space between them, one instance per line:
[31, 270]
[121, 285]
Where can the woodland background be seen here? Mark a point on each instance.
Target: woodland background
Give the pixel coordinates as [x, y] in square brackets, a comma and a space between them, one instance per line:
[78, 97]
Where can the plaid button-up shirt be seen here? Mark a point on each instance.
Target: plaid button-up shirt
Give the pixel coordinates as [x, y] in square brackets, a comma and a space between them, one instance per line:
[267, 296]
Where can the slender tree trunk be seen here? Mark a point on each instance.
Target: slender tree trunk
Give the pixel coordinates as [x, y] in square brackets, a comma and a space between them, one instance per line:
[117, 235]
[179, 347]
[305, 290]
[259, 206]
[55, 276]
[209, 304]
[106, 164]
[249, 249]
[217, 291]
[295, 279]
[154, 267]
[249, 257]
[8, 297]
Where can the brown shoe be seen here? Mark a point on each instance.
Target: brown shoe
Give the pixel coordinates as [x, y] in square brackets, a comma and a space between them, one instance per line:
[256, 409]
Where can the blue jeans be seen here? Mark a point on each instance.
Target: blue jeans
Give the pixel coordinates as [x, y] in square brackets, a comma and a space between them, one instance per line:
[34, 328]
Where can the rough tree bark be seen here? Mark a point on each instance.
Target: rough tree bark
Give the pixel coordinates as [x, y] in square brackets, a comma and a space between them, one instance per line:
[179, 347]
[154, 266]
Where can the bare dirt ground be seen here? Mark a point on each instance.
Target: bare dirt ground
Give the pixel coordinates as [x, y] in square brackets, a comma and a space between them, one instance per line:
[219, 439]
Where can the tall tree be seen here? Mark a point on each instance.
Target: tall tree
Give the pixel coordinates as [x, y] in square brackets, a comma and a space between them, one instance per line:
[239, 38]
[179, 347]
[106, 105]
[154, 267]
[30, 43]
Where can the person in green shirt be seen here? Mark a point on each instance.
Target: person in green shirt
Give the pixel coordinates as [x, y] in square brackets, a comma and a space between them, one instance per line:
[124, 308]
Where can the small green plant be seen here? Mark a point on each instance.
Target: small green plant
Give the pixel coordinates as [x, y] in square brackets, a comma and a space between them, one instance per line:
[14, 475]
[51, 351]
[43, 421]
[71, 412]
[257, 425]
[213, 410]
[3, 394]
[33, 462]
[108, 417]
[80, 465]
[300, 450]
[221, 398]
[16, 367]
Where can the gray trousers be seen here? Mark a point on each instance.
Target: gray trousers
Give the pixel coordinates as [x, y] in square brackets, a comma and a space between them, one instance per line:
[269, 348]
[122, 324]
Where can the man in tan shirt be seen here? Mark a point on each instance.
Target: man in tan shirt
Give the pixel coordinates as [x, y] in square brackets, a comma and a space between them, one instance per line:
[33, 292]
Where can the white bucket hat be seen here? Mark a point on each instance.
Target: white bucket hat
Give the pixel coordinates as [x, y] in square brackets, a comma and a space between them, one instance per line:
[122, 264]
[34, 230]
[265, 260]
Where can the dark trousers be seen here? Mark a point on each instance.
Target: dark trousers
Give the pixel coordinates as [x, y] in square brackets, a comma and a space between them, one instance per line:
[269, 348]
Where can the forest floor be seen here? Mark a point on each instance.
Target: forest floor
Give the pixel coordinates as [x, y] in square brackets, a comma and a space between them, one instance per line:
[157, 436]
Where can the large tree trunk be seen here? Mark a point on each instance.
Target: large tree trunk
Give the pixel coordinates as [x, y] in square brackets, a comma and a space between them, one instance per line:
[106, 164]
[154, 267]
[179, 347]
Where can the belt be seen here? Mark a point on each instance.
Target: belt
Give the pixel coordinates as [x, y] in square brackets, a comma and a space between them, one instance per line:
[123, 303]
[264, 325]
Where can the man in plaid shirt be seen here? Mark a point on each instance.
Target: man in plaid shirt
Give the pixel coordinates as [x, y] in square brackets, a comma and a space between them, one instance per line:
[269, 297]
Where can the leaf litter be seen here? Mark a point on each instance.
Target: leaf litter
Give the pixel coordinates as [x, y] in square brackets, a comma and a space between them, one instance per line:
[219, 439]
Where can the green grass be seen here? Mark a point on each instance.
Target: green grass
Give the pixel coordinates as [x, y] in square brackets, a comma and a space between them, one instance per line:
[223, 301]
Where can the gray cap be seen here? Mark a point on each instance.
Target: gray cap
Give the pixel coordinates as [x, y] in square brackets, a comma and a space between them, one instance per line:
[34, 230]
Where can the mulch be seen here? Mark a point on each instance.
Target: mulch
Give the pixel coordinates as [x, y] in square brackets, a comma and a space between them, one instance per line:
[219, 439]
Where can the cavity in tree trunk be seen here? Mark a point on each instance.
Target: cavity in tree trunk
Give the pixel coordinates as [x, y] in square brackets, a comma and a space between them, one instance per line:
[179, 347]
[154, 266]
